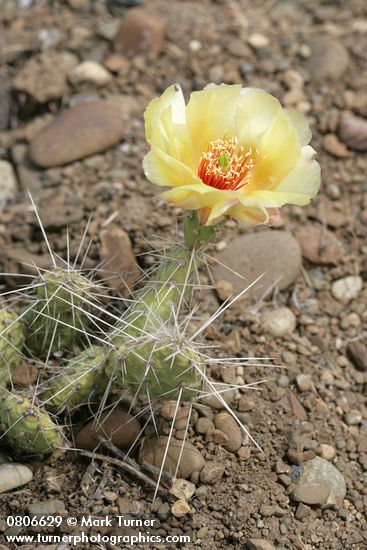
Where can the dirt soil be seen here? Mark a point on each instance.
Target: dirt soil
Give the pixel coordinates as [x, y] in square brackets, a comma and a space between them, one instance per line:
[313, 57]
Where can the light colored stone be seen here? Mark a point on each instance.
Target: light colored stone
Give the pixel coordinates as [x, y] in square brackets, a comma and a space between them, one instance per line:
[90, 71]
[180, 508]
[279, 322]
[8, 180]
[258, 41]
[346, 289]
[182, 489]
[304, 382]
[13, 476]
[327, 452]
[259, 544]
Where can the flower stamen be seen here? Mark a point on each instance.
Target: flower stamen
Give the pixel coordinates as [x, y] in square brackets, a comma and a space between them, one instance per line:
[226, 165]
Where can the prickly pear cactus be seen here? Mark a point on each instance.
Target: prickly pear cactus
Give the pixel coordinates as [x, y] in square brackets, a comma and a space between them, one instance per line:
[57, 317]
[11, 343]
[28, 428]
[79, 382]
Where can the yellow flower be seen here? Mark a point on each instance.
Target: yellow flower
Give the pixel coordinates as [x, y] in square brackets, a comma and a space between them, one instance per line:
[229, 152]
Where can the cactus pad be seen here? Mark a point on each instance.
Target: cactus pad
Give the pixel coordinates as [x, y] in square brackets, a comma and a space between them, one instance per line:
[11, 343]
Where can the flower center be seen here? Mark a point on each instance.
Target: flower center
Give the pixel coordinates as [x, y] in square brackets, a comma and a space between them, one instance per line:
[226, 165]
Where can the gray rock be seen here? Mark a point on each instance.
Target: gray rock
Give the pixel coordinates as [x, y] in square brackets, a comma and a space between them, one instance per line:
[259, 544]
[84, 130]
[44, 77]
[4, 104]
[329, 58]
[319, 471]
[353, 132]
[274, 254]
[212, 472]
[46, 508]
[8, 180]
[13, 476]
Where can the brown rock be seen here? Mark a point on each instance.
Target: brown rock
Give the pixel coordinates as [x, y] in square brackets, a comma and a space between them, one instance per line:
[329, 59]
[24, 375]
[118, 260]
[116, 63]
[251, 255]
[153, 450]
[117, 426]
[319, 245]
[312, 493]
[212, 472]
[44, 77]
[81, 131]
[297, 408]
[334, 147]
[259, 544]
[353, 132]
[180, 508]
[226, 423]
[358, 355]
[140, 33]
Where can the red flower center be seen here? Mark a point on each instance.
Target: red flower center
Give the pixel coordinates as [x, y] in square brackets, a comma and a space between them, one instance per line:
[226, 165]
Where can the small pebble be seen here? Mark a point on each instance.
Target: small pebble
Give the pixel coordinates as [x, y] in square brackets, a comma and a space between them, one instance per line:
[182, 489]
[279, 322]
[327, 452]
[212, 472]
[180, 508]
[346, 289]
[90, 71]
[304, 382]
[258, 41]
[228, 425]
[8, 180]
[353, 418]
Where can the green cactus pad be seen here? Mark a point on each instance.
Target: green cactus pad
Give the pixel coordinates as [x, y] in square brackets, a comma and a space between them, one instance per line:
[150, 370]
[55, 321]
[28, 428]
[11, 343]
[79, 381]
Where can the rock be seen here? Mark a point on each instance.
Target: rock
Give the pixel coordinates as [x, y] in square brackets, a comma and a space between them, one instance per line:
[293, 80]
[152, 451]
[304, 382]
[180, 508]
[353, 132]
[90, 71]
[212, 472]
[140, 33]
[116, 426]
[302, 511]
[24, 375]
[117, 63]
[118, 260]
[259, 544]
[279, 322]
[215, 393]
[13, 476]
[204, 426]
[44, 77]
[226, 423]
[8, 180]
[83, 130]
[328, 60]
[46, 508]
[334, 147]
[29, 178]
[346, 289]
[319, 245]
[327, 452]
[358, 355]
[4, 104]
[275, 255]
[312, 493]
[318, 472]
[353, 418]
[258, 41]
[182, 489]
